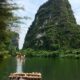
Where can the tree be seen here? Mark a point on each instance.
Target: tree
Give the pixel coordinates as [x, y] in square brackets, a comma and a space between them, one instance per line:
[7, 20]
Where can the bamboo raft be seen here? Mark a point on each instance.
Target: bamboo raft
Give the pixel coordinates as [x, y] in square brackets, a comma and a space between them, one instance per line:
[25, 76]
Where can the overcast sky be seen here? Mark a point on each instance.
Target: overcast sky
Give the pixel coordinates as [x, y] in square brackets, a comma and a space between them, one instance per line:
[30, 9]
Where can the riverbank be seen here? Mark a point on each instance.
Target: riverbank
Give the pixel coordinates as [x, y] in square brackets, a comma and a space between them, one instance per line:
[72, 53]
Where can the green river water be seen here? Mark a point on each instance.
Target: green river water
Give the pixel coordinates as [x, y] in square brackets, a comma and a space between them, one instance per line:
[51, 69]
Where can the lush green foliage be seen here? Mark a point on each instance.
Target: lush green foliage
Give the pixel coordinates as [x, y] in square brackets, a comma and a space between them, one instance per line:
[40, 53]
[49, 53]
[7, 20]
[54, 28]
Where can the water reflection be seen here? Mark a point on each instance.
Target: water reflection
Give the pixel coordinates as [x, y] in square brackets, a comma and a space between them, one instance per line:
[20, 60]
[51, 69]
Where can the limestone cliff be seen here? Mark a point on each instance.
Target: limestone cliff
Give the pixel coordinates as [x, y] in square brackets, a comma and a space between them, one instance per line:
[54, 27]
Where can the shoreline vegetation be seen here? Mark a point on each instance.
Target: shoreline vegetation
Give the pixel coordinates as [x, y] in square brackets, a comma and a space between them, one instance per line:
[73, 53]
[29, 52]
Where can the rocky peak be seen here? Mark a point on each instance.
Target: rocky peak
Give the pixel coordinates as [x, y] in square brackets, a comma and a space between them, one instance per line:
[54, 27]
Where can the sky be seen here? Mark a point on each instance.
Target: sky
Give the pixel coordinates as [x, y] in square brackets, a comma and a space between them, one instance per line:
[30, 9]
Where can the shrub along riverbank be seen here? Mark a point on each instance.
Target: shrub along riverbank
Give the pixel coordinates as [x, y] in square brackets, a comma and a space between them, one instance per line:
[4, 55]
[72, 53]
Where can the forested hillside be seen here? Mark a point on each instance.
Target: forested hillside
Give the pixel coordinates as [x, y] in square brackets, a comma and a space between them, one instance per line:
[54, 28]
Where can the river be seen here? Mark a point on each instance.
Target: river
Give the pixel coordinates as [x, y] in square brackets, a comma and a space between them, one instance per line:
[51, 69]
